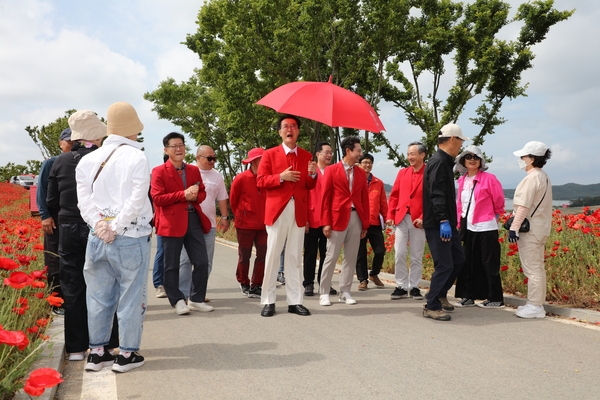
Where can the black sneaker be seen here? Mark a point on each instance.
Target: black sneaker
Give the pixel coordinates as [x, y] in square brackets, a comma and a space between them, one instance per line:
[465, 303]
[309, 290]
[58, 311]
[255, 292]
[281, 278]
[399, 293]
[123, 364]
[245, 289]
[332, 291]
[415, 293]
[96, 362]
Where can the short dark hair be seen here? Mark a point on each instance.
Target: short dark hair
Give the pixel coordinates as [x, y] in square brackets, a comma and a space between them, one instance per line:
[443, 139]
[420, 147]
[366, 156]
[540, 161]
[349, 143]
[320, 146]
[286, 116]
[173, 135]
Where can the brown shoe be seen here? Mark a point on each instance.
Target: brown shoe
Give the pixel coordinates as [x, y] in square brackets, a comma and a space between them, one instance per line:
[376, 281]
[446, 306]
[438, 315]
[362, 286]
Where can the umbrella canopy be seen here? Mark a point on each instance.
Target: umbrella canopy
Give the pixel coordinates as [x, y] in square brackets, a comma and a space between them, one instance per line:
[324, 102]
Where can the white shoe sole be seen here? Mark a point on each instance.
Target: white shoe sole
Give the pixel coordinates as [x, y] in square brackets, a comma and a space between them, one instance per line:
[98, 367]
[350, 302]
[531, 316]
[127, 367]
[201, 309]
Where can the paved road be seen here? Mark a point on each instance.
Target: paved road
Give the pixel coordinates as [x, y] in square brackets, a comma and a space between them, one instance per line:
[376, 349]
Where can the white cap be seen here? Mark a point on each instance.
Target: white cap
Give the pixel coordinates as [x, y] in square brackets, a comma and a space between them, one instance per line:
[533, 148]
[450, 130]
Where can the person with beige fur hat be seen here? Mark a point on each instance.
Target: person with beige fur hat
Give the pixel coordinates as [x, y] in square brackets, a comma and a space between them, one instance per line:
[87, 132]
[112, 186]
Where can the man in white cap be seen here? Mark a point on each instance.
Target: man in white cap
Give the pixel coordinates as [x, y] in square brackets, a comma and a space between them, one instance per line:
[248, 206]
[439, 221]
[87, 132]
[112, 186]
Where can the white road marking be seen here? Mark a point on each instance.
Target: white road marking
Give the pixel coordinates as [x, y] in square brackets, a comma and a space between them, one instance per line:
[101, 385]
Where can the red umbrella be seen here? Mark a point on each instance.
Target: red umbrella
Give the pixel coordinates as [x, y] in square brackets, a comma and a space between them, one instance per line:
[324, 102]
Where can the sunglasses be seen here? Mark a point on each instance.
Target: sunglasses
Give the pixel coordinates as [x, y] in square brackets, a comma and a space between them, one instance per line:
[472, 157]
[209, 158]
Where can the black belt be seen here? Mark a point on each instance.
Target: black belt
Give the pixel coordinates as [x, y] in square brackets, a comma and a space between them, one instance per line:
[191, 210]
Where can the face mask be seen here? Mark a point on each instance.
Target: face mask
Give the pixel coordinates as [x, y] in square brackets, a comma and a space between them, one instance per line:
[522, 163]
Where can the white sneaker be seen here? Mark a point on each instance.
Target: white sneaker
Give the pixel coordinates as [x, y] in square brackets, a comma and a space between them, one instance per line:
[531, 311]
[160, 292]
[77, 356]
[346, 298]
[199, 306]
[324, 300]
[181, 308]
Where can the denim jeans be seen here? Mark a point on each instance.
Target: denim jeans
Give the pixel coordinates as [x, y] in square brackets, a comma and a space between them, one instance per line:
[116, 277]
[159, 263]
[209, 239]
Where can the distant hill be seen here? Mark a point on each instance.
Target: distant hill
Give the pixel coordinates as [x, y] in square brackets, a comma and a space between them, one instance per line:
[569, 191]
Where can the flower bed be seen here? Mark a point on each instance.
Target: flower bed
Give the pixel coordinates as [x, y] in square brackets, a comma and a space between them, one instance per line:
[25, 306]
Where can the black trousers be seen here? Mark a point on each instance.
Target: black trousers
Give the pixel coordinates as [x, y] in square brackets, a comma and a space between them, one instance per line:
[479, 278]
[375, 237]
[314, 241]
[196, 249]
[448, 258]
[71, 249]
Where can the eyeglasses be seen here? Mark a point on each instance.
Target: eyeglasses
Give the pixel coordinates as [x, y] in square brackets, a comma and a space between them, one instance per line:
[177, 146]
[472, 157]
[366, 163]
[209, 158]
[292, 126]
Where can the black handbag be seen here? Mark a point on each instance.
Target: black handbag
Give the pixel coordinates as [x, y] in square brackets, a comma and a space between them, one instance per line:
[525, 224]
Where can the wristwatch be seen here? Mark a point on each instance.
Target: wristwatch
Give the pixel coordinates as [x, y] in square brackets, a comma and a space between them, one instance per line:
[226, 217]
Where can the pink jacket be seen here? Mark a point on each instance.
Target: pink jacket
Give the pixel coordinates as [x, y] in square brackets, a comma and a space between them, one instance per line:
[488, 195]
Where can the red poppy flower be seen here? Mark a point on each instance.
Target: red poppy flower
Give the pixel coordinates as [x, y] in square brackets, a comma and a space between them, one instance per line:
[526, 280]
[22, 301]
[38, 284]
[8, 249]
[33, 329]
[23, 259]
[18, 280]
[39, 295]
[40, 380]
[54, 300]
[559, 229]
[8, 264]
[19, 310]
[504, 268]
[565, 249]
[38, 246]
[38, 274]
[14, 338]
[42, 322]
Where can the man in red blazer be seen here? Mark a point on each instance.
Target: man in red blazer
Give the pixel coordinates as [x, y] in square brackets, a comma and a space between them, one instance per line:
[287, 173]
[314, 239]
[177, 191]
[345, 218]
[405, 212]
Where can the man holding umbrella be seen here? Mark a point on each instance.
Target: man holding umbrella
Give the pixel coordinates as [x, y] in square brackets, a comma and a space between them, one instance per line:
[287, 173]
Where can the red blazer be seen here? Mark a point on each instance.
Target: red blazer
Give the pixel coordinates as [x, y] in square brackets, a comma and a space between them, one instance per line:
[405, 196]
[170, 205]
[377, 201]
[315, 202]
[247, 202]
[274, 161]
[337, 199]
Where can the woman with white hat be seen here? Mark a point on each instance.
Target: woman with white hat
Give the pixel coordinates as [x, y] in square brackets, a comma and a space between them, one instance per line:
[480, 201]
[533, 200]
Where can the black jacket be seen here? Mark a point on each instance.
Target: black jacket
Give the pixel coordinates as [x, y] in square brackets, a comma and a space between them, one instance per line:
[439, 194]
[62, 186]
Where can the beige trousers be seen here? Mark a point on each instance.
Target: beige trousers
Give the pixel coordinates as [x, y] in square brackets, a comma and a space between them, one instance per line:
[531, 253]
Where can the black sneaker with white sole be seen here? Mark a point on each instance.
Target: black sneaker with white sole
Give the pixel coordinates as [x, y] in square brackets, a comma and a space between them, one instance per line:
[415, 293]
[245, 289]
[123, 364]
[466, 303]
[399, 293]
[255, 292]
[96, 362]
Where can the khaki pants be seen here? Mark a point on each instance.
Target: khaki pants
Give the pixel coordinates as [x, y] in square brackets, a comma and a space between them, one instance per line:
[531, 253]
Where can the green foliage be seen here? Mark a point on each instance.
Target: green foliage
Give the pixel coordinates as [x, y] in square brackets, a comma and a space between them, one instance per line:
[567, 191]
[46, 137]
[586, 201]
[12, 169]
[396, 51]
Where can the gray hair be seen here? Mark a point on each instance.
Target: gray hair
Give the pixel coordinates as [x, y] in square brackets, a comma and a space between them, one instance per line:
[420, 147]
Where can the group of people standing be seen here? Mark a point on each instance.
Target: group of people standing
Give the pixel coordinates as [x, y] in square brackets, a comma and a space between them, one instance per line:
[104, 201]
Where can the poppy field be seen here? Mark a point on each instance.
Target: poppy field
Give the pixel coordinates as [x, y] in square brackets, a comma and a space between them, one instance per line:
[25, 299]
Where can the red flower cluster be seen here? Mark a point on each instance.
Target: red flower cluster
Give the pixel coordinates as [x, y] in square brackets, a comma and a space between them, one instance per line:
[40, 380]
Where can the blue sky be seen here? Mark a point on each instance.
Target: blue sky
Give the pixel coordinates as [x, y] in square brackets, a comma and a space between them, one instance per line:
[59, 55]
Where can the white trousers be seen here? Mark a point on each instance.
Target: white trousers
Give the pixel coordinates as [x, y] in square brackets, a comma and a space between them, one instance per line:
[284, 229]
[407, 235]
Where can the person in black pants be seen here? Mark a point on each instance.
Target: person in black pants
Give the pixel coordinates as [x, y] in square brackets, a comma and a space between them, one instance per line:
[439, 222]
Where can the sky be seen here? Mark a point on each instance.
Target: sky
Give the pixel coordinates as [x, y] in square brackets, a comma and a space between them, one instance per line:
[60, 55]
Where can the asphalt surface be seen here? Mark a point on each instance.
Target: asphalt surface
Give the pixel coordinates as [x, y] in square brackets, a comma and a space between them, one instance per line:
[378, 348]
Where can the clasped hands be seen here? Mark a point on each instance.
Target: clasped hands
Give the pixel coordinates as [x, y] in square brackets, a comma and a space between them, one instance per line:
[104, 232]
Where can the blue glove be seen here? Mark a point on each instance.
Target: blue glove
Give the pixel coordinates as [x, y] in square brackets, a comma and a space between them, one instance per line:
[512, 237]
[445, 230]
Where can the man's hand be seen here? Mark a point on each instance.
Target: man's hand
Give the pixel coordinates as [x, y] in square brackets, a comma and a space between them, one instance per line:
[104, 232]
[48, 225]
[389, 222]
[290, 175]
[312, 167]
[363, 233]
[327, 231]
[513, 237]
[224, 224]
[445, 231]
[191, 193]
[418, 223]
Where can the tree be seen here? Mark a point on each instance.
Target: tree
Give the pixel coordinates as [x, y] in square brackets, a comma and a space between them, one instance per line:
[395, 51]
[46, 137]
